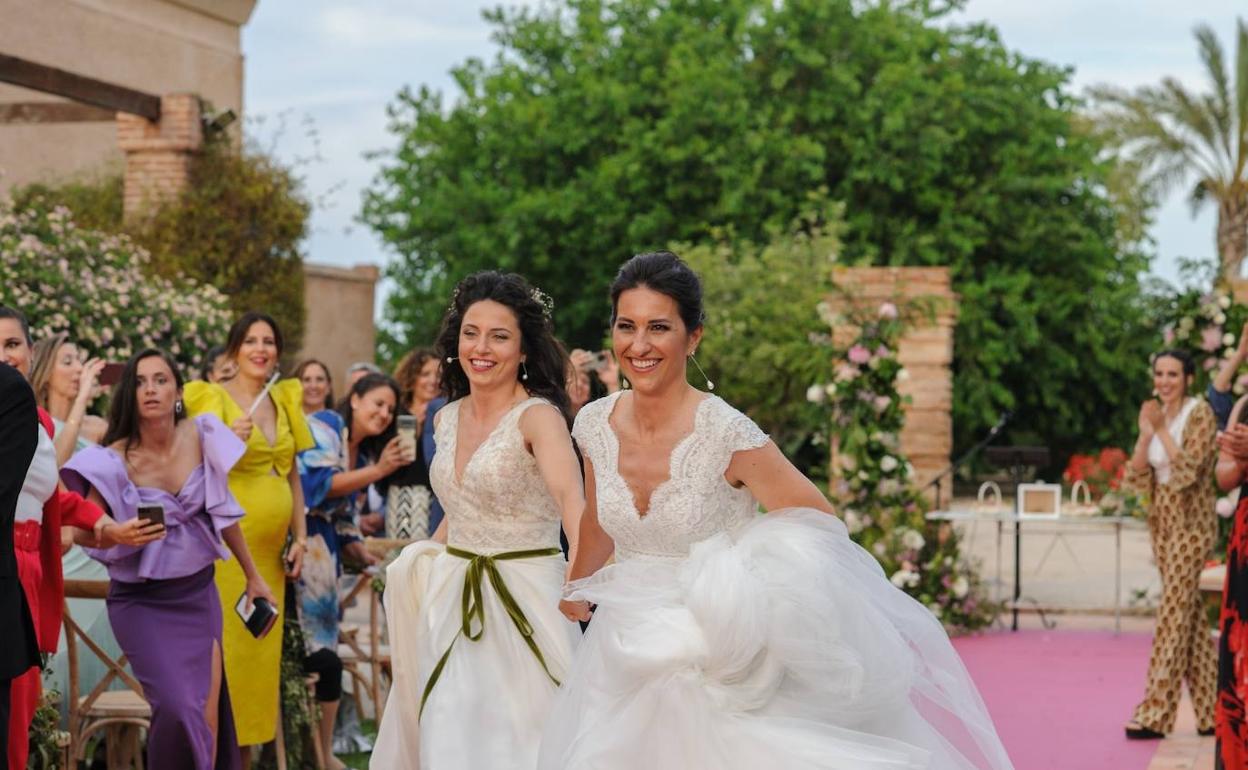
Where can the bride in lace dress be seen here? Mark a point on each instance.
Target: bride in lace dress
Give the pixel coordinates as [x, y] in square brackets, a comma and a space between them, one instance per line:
[477, 644]
[721, 638]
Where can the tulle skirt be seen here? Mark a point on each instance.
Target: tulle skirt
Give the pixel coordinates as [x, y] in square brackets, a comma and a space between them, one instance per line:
[492, 696]
[781, 645]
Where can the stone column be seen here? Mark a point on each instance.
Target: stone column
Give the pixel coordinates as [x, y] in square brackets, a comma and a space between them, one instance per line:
[925, 351]
[158, 153]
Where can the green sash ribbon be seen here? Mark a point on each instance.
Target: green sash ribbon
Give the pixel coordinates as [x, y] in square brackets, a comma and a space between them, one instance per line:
[472, 608]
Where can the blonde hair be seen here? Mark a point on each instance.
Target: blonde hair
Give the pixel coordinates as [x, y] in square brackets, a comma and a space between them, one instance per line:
[42, 362]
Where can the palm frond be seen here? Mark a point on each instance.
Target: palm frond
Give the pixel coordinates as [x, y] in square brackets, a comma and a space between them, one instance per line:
[1241, 98]
[1218, 104]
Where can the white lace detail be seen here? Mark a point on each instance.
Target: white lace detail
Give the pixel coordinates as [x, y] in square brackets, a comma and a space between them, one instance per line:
[695, 503]
[503, 503]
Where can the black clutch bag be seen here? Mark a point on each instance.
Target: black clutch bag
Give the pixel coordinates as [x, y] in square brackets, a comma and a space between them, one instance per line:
[261, 618]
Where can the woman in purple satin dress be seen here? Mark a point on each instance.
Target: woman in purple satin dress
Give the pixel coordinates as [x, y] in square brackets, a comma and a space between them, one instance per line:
[162, 601]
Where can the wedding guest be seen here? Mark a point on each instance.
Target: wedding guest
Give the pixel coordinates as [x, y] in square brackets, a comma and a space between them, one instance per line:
[18, 439]
[359, 369]
[412, 509]
[355, 447]
[1171, 465]
[217, 366]
[64, 386]
[42, 507]
[162, 602]
[266, 484]
[606, 371]
[318, 386]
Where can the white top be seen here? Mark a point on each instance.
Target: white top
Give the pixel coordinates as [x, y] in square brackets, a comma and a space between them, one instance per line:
[501, 503]
[40, 480]
[694, 503]
[1157, 456]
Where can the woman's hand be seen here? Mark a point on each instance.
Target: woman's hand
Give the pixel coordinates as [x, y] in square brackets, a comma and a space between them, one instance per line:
[393, 457]
[1150, 417]
[609, 374]
[578, 612]
[294, 559]
[242, 427]
[372, 523]
[135, 532]
[88, 381]
[360, 554]
[258, 589]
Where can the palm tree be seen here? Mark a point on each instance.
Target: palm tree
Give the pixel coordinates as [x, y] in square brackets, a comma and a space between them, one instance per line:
[1172, 135]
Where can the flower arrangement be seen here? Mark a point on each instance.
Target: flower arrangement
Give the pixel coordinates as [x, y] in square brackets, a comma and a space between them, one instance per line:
[1102, 472]
[1207, 325]
[873, 482]
[95, 286]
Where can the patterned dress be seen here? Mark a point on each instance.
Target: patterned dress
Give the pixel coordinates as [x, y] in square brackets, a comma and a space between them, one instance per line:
[1183, 528]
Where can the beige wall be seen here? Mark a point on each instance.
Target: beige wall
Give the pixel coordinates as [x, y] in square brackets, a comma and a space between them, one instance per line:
[339, 328]
[157, 46]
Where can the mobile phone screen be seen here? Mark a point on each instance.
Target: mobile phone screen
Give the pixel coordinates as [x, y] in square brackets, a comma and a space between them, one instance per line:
[153, 513]
[111, 374]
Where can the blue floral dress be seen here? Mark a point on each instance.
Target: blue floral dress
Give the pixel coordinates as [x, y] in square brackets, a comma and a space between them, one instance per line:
[332, 524]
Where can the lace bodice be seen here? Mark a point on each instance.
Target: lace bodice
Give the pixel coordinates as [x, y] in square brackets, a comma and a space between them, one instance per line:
[694, 503]
[501, 503]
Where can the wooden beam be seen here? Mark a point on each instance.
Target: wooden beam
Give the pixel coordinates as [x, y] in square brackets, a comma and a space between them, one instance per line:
[54, 112]
[50, 80]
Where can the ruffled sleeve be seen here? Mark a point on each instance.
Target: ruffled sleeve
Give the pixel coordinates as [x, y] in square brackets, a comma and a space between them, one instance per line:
[318, 464]
[221, 450]
[102, 470]
[288, 395]
[205, 398]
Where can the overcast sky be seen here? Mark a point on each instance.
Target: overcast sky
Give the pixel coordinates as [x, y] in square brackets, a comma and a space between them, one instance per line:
[331, 68]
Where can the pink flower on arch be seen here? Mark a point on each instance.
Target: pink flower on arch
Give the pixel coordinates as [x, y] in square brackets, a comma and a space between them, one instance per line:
[1211, 338]
[888, 310]
[859, 355]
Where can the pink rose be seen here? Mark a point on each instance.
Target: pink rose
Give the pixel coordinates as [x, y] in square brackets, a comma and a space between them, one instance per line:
[888, 310]
[859, 355]
[1211, 338]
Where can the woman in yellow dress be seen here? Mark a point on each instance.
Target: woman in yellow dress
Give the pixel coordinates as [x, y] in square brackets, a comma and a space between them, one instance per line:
[266, 483]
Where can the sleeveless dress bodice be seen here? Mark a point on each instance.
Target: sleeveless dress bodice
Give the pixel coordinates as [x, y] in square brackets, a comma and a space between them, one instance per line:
[501, 503]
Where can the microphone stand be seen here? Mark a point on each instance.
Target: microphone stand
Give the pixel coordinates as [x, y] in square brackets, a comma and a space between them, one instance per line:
[985, 441]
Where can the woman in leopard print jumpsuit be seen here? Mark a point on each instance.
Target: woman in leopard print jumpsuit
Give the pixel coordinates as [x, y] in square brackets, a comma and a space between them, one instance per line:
[1172, 465]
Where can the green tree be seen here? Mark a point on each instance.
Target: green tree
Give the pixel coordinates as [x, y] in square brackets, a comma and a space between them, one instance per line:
[1172, 135]
[608, 127]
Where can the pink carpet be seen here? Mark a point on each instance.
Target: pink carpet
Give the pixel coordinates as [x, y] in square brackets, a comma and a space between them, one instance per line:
[1059, 698]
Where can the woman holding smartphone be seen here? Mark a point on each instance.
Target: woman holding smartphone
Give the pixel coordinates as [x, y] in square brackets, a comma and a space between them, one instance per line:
[63, 385]
[355, 447]
[162, 601]
[268, 416]
[412, 509]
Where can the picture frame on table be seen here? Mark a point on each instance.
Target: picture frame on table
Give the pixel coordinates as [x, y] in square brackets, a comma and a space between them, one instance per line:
[1038, 501]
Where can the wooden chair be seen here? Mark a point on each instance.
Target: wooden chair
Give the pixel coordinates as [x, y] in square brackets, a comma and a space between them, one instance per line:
[373, 654]
[122, 714]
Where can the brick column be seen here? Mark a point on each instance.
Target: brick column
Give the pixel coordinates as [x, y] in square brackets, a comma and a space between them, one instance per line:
[158, 154]
[926, 352]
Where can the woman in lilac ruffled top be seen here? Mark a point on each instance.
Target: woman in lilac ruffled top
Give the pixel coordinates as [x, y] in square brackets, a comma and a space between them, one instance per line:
[162, 602]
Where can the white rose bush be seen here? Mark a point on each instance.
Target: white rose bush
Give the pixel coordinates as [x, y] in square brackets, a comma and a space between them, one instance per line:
[94, 286]
[873, 486]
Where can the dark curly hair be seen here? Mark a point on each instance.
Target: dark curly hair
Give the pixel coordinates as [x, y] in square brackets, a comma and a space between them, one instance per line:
[546, 361]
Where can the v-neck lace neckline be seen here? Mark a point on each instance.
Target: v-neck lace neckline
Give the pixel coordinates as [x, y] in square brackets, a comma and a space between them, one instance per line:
[676, 451]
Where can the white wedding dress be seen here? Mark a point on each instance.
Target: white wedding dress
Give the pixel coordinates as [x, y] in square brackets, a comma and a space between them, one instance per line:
[492, 696]
[728, 640]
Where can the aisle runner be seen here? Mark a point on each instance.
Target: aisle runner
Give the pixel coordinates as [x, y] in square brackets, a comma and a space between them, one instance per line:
[1059, 698]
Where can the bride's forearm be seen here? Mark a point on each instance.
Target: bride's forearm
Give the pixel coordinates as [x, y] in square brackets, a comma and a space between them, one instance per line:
[593, 549]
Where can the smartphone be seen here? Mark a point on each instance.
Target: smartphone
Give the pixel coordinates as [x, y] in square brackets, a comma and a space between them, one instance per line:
[153, 513]
[111, 374]
[407, 434]
[600, 361]
[260, 619]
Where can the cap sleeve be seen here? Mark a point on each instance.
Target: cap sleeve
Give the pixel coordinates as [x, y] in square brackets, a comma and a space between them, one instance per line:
[591, 424]
[288, 395]
[740, 433]
[205, 398]
[101, 469]
[221, 450]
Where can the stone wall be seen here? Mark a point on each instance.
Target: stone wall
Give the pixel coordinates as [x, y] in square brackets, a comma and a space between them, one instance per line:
[155, 46]
[340, 309]
[158, 154]
[926, 353]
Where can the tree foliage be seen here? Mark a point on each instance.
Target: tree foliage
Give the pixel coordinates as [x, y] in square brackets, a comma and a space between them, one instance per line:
[609, 127]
